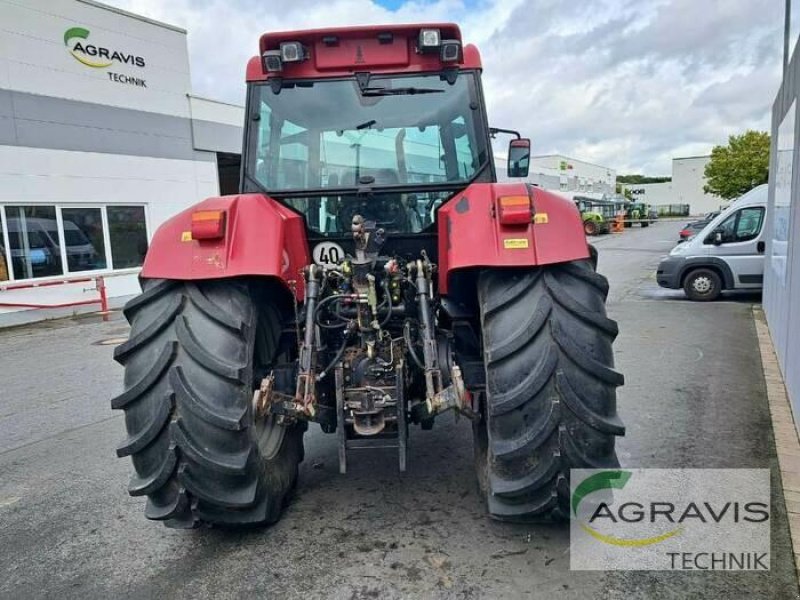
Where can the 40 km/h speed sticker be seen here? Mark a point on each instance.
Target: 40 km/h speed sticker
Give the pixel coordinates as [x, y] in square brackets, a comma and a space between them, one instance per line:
[328, 254]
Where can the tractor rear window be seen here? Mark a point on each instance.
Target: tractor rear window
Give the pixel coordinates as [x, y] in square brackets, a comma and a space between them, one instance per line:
[332, 214]
[397, 131]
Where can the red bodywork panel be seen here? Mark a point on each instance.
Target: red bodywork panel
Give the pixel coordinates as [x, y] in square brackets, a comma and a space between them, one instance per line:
[470, 234]
[359, 49]
[262, 238]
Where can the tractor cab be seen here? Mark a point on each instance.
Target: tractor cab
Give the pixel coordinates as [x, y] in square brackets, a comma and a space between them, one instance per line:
[383, 123]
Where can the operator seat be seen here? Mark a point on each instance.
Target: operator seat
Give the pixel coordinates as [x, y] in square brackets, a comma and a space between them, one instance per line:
[386, 208]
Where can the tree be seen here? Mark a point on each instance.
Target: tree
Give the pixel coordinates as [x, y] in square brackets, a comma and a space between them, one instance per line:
[738, 167]
[639, 179]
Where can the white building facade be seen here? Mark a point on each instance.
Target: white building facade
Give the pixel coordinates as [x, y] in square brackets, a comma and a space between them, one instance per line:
[568, 176]
[686, 188]
[572, 177]
[688, 179]
[782, 256]
[100, 142]
[654, 194]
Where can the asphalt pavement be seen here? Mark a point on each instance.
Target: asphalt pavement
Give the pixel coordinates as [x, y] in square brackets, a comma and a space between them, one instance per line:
[694, 397]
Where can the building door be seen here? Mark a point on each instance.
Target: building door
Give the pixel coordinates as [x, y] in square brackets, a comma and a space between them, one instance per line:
[228, 166]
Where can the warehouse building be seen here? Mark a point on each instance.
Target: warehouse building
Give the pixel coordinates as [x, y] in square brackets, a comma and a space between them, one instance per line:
[688, 179]
[654, 194]
[685, 189]
[101, 140]
[782, 262]
[566, 175]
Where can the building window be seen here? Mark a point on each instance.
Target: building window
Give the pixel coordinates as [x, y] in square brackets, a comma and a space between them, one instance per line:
[83, 239]
[33, 241]
[5, 269]
[48, 240]
[128, 234]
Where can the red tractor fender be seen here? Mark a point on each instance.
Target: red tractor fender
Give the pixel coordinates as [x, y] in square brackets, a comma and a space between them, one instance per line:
[471, 233]
[260, 237]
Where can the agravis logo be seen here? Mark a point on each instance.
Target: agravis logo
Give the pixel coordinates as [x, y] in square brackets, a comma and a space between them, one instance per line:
[670, 519]
[610, 480]
[97, 57]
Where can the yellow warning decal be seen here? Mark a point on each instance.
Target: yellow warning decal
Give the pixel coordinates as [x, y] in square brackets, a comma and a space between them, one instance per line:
[186, 236]
[515, 243]
[540, 218]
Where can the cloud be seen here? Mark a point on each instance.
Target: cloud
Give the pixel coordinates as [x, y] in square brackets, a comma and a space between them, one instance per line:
[623, 83]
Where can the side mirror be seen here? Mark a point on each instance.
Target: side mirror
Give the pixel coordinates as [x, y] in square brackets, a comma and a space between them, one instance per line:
[519, 157]
[717, 238]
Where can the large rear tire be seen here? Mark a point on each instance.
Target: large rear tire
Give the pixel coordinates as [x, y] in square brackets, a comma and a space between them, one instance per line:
[550, 402]
[199, 453]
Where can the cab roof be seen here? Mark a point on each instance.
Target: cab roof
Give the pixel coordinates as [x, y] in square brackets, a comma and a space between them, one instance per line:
[758, 195]
[342, 51]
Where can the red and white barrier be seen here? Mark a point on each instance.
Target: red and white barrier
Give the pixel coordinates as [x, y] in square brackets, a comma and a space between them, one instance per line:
[99, 286]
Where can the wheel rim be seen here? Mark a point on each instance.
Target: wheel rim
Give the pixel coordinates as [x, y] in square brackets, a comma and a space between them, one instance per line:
[702, 284]
[269, 435]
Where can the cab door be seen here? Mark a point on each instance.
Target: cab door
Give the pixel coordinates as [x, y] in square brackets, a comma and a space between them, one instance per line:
[738, 240]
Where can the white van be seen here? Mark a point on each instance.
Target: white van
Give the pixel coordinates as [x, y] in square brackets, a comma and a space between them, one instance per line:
[727, 254]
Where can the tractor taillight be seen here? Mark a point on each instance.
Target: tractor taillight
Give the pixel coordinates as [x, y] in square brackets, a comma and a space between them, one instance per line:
[515, 210]
[292, 52]
[208, 224]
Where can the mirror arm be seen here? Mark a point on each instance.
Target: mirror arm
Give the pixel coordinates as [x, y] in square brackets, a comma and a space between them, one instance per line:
[493, 131]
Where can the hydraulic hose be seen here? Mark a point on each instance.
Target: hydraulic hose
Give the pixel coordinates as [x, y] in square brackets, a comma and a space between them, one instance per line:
[337, 357]
[318, 312]
[410, 346]
[387, 299]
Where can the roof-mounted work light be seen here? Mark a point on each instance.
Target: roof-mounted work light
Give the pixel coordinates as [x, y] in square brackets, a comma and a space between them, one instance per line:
[429, 40]
[272, 61]
[292, 52]
[450, 51]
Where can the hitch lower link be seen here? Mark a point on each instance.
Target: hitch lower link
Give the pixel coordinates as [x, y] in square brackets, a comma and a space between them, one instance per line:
[452, 397]
[438, 397]
[301, 406]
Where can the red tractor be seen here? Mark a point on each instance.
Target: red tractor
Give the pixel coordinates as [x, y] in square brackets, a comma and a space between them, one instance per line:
[372, 274]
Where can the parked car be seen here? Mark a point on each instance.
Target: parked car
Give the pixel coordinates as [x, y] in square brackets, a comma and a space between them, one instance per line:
[726, 254]
[692, 227]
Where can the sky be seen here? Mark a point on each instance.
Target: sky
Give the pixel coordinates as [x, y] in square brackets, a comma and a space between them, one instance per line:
[627, 84]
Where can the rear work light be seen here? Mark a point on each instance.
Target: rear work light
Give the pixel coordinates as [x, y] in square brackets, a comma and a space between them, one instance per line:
[272, 61]
[208, 224]
[429, 40]
[450, 51]
[515, 210]
[292, 52]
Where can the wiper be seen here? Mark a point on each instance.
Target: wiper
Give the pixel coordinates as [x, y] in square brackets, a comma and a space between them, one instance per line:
[403, 91]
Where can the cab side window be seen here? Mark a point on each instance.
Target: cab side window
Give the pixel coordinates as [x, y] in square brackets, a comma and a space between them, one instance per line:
[749, 224]
[742, 226]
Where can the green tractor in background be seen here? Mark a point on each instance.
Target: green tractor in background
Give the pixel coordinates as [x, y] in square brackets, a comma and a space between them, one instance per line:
[637, 212]
[593, 212]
